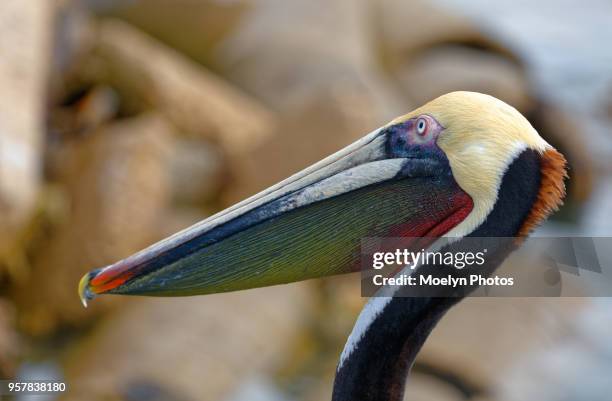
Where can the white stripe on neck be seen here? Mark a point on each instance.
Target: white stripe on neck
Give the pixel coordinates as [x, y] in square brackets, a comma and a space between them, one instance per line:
[377, 304]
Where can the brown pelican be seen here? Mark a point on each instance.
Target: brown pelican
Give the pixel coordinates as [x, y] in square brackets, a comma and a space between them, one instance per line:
[464, 165]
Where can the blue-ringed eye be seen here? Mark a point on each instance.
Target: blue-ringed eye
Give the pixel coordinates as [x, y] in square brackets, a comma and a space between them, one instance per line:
[421, 126]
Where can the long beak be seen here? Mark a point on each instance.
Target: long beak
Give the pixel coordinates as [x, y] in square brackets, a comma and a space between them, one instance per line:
[306, 226]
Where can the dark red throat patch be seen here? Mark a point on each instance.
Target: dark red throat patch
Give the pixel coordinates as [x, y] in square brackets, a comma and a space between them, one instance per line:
[424, 231]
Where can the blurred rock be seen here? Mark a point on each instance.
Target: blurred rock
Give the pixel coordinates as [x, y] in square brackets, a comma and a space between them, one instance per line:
[85, 112]
[439, 52]
[426, 388]
[116, 184]
[26, 27]
[256, 388]
[72, 40]
[9, 340]
[196, 169]
[178, 218]
[574, 365]
[484, 336]
[607, 105]
[406, 28]
[197, 102]
[291, 54]
[203, 23]
[444, 69]
[561, 130]
[149, 391]
[217, 341]
[311, 62]
[309, 370]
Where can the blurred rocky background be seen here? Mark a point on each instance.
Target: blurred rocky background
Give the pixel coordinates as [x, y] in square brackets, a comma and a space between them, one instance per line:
[122, 122]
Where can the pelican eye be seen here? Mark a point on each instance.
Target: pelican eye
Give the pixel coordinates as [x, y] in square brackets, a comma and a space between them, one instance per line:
[421, 126]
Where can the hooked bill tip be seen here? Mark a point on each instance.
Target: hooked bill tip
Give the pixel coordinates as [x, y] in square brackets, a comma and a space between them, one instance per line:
[84, 292]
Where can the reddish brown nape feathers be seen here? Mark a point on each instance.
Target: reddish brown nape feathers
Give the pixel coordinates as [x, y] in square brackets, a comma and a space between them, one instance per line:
[552, 190]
